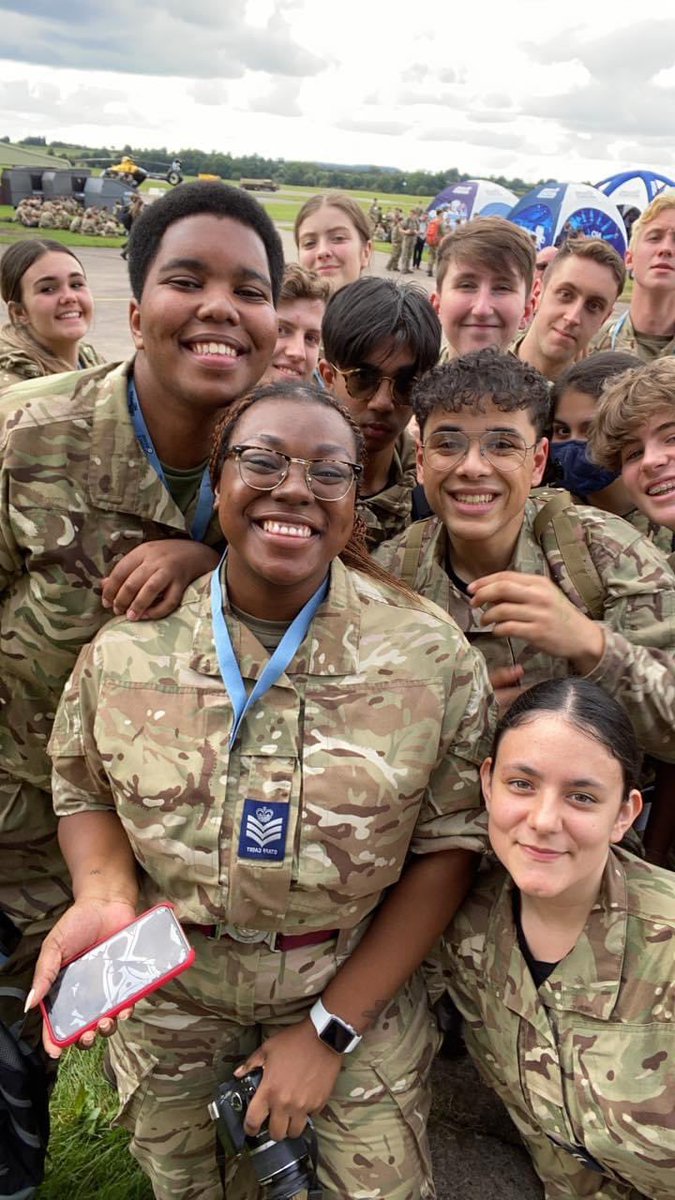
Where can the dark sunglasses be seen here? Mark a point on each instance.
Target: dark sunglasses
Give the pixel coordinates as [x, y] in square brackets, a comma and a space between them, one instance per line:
[363, 382]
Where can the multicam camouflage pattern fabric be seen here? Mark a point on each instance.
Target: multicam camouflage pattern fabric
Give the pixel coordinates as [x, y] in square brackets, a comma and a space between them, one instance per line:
[370, 742]
[77, 494]
[188, 1037]
[638, 666]
[66, 213]
[389, 512]
[659, 535]
[624, 338]
[586, 1063]
[17, 365]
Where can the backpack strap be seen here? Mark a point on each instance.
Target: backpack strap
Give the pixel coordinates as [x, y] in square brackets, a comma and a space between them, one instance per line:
[412, 553]
[559, 513]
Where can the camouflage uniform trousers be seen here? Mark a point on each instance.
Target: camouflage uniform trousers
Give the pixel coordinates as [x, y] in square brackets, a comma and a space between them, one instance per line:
[406, 254]
[34, 886]
[431, 261]
[181, 1042]
[34, 880]
[394, 257]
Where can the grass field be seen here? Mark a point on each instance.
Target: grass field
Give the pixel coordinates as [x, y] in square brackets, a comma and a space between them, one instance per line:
[282, 207]
[86, 1157]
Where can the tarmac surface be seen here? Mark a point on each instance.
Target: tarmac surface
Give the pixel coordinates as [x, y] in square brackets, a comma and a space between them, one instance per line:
[476, 1150]
[107, 275]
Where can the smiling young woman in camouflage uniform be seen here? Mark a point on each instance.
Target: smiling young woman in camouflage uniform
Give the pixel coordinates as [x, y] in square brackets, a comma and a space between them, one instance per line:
[563, 957]
[50, 309]
[315, 847]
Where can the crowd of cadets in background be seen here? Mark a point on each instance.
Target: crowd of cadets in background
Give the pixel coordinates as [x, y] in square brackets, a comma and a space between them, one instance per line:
[553, 563]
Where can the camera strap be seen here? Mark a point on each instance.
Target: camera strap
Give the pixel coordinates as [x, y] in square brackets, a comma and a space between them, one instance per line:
[314, 1191]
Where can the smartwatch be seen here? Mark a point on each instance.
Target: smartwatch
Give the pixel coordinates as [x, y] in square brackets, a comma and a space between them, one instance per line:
[335, 1033]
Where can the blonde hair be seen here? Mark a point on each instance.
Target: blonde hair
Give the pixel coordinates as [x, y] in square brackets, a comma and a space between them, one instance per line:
[627, 402]
[662, 203]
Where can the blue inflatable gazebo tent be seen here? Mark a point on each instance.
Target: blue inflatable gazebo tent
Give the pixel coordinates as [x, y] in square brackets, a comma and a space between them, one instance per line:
[634, 189]
[476, 198]
[547, 209]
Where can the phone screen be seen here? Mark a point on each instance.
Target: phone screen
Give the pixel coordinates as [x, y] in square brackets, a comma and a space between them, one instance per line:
[108, 975]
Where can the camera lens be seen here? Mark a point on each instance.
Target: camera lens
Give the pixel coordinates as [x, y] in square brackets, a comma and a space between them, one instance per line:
[282, 1168]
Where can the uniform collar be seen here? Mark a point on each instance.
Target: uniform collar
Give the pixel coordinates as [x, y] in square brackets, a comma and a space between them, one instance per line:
[330, 648]
[528, 558]
[402, 479]
[587, 981]
[120, 476]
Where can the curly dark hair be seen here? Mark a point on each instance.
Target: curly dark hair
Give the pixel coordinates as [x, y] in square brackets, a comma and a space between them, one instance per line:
[483, 375]
[191, 200]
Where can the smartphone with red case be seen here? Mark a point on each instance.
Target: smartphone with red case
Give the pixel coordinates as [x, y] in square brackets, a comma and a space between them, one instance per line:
[115, 973]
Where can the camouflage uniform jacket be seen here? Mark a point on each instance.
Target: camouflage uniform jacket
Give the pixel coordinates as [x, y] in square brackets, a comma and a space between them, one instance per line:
[585, 1063]
[366, 748]
[659, 535]
[618, 334]
[76, 494]
[638, 664]
[17, 365]
[389, 512]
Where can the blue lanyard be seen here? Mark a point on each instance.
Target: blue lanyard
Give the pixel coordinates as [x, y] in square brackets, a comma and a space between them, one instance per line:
[283, 655]
[206, 498]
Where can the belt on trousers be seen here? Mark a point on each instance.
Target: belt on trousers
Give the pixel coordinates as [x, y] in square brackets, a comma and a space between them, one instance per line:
[276, 941]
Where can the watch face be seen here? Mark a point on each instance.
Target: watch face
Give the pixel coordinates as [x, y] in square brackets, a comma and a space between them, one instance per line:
[336, 1036]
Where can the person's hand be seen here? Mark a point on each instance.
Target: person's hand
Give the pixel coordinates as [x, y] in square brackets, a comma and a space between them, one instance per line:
[506, 684]
[534, 609]
[150, 580]
[86, 922]
[299, 1075]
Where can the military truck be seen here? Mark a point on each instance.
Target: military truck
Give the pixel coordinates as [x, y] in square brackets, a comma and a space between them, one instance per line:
[259, 185]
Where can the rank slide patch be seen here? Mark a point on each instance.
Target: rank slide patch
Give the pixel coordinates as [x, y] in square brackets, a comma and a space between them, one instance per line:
[263, 831]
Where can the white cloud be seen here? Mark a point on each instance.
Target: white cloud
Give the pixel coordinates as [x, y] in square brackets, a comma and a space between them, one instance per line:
[208, 91]
[388, 128]
[281, 100]
[157, 37]
[526, 89]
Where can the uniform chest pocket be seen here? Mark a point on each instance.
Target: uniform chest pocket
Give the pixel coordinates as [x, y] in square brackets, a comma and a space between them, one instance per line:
[164, 766]
[624, 1083]
[367, 759]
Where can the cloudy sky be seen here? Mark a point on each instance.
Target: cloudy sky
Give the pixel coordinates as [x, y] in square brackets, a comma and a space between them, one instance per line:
[522, 88]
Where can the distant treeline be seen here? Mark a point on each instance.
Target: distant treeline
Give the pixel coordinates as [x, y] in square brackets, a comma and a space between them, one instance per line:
[304, 174]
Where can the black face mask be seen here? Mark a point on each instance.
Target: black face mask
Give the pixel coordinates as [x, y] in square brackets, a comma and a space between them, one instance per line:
[579, 475]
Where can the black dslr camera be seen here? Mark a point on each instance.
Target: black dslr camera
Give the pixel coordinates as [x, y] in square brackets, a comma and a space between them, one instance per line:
[282, 1168]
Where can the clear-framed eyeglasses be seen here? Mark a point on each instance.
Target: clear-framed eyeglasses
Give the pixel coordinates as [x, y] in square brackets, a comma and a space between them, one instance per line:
[264, 469]
[504, 451]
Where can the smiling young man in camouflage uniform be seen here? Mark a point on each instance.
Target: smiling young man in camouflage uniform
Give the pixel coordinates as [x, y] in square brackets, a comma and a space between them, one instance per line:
[85, 485]
[508, 583]
[647, 327]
